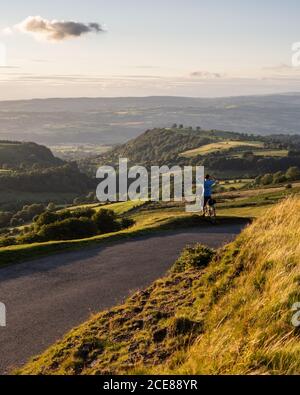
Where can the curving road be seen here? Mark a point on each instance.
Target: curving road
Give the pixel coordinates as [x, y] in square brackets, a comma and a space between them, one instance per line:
[47, 297]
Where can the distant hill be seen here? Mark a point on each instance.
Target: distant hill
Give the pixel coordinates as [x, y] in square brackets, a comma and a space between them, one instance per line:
[111, 121]
[29, 173]
[226, 154]
[164, 144]
[18, 154]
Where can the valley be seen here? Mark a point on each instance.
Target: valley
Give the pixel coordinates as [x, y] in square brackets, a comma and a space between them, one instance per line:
[110, 121]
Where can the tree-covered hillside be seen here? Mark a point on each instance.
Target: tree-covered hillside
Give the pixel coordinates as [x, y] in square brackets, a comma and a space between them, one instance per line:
[227, 154]
[30, 173]
[15, 155]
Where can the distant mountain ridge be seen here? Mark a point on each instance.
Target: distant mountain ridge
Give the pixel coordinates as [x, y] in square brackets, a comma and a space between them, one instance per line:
[110, 121]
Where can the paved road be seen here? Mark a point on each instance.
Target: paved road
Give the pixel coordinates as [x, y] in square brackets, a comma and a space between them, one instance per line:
[47, 297]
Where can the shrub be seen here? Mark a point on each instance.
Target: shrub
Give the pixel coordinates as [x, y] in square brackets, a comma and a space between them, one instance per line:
[196, 257]
[7, 241]
[81, 212]
[45, 219]
[293, 173]
[15, 222]
[127, 223]
[267, 179]
[51, 206]
[49, 217]
[106, 221]
[28, 238]
[68, 229]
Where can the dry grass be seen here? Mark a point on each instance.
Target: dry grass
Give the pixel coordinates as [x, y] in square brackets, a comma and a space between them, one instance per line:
[221, 146]
[249, 329]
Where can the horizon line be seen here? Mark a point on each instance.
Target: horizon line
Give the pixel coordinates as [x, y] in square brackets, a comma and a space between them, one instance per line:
[151, 96]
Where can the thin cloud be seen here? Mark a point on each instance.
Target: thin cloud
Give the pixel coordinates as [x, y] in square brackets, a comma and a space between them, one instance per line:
[278, 68]
[56, 30]
[205, 75]
[6, 31]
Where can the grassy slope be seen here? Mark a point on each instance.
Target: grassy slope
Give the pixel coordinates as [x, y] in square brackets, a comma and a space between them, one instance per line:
[146, 222]
[119, 207]
[231, 206]
[221, 146]
[280, 153]
[231, 317]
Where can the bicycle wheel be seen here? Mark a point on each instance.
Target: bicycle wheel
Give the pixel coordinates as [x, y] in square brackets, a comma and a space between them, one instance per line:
[212, 213]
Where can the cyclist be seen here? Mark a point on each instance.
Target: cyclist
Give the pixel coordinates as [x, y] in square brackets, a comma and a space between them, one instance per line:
[209, 183]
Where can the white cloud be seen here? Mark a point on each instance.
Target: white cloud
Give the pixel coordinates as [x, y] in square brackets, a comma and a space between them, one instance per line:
[56, 30]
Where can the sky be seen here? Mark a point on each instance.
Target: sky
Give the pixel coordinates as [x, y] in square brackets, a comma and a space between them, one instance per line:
[100, 48]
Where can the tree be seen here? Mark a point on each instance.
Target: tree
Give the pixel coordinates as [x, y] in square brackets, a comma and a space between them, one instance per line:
[77, 201]
[14, 222]
[258, 180]
[51, 206]
[279, 178]
[293, 173]
[267, 179]
[70, 228]
[91, 197]
[106, 221]
[5, 217]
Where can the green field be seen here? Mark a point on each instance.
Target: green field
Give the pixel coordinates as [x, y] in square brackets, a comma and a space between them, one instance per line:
[221, 146]
[119, 208]
[235, 184]
[243, 212]
[272, 153]
[150, 217]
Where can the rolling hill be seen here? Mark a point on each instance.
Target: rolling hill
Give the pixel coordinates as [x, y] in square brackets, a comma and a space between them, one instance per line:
[226, 154]
[14, 154]
[30, 173]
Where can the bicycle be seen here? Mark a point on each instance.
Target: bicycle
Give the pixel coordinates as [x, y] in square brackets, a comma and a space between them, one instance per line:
[209, 210]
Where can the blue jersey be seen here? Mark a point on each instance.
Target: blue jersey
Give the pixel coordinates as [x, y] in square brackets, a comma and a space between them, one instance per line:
[208, 184]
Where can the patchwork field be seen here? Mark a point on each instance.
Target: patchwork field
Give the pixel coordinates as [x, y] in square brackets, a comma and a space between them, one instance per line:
[221, 146]
[280, 153]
